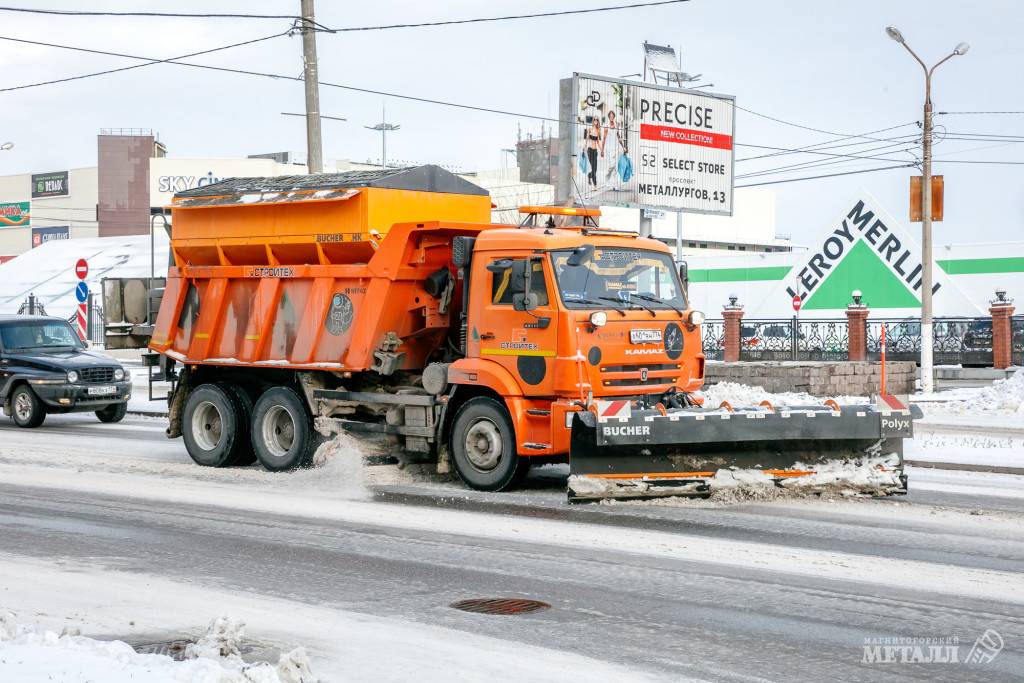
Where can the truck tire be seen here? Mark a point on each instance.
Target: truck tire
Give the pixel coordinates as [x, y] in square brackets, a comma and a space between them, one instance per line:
[26, 408]
[282, 430]
[484, 446]
[209, 426]
[244, 453]
[115, 412]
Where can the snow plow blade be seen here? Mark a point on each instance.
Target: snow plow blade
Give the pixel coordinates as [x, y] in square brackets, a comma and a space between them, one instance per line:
[648, 453]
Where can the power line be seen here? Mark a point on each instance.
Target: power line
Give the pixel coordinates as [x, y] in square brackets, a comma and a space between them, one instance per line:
[831, 175]
[148, 61]
[818, 145]
[452, 22]
[838, 158]
[960, 113]
[349, 29]
[798, 125]
[90, 13]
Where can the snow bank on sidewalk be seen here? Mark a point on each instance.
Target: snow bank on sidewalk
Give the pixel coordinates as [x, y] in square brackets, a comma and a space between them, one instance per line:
[28, 655]
[746, 395]
[1004, 397]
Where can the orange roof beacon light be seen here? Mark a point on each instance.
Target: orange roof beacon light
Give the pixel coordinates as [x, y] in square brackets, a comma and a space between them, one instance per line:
[587, 215]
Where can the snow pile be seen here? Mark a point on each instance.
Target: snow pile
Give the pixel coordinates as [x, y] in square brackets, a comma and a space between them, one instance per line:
[339, 461]
[27, 655]
[1003, 397]
[738, 395]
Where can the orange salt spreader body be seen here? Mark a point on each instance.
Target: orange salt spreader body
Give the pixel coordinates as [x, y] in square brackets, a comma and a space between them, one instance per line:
[387, 304]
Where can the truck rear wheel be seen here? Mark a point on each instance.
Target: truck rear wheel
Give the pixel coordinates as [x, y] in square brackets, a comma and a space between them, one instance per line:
[210, 426]
[282, 430]
[244, 453]
[484, 446]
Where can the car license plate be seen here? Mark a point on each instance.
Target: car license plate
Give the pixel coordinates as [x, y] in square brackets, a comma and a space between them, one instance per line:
[644, 336]
[102, 391]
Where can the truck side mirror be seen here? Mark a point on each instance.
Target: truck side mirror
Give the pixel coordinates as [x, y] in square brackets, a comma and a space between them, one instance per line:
[684, 276]
[525, 302]
[519, 283]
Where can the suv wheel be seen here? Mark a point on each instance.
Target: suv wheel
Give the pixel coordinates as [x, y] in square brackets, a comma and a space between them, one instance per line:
[115, 412]
[26, 408]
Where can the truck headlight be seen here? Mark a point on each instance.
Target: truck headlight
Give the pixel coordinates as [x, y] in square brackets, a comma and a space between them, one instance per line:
[119, 374]
[696, 318]
[72, 376]
[598, 318]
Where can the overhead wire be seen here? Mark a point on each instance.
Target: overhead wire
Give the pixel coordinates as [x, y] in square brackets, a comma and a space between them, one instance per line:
[830, 175]
[347, 29]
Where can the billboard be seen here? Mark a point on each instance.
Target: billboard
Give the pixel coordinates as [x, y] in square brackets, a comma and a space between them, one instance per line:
[50, 185]
[49, 234]
[15, 214]
[648, 146]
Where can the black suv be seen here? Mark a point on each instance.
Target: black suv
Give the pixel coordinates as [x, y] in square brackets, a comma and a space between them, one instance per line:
[45, 368]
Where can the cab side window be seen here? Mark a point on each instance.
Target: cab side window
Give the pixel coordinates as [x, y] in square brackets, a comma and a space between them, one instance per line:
[501, 293]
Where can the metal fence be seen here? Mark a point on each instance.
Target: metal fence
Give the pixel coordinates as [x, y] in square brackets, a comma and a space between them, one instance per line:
[1017, 325]
[957, 341]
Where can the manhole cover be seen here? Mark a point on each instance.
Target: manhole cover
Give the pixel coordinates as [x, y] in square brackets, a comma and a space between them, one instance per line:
[500, 606]
[175, 649]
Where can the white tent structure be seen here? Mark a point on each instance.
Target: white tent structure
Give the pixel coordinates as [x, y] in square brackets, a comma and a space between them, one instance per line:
[48, 271]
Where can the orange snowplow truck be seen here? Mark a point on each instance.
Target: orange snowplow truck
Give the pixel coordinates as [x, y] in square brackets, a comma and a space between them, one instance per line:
[387, 304]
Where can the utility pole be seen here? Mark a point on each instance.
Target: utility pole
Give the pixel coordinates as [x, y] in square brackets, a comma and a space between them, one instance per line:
[311, 76]
[927, 331]
[383, 127]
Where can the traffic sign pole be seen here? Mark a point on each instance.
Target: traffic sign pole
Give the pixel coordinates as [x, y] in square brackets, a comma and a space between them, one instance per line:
[82, 294]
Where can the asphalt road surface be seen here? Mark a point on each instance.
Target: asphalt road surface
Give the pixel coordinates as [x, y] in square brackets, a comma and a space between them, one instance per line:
[781, 590]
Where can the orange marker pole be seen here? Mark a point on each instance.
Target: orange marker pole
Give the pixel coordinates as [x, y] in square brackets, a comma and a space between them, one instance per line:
[884, 392]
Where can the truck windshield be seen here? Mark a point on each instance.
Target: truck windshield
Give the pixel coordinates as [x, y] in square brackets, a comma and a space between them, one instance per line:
[621, 274]
[38, 335]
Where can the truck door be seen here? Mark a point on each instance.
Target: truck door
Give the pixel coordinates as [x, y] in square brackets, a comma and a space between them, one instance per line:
[521, 341]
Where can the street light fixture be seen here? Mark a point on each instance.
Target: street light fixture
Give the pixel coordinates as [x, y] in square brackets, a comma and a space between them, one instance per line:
[6, 146]
[927, 373]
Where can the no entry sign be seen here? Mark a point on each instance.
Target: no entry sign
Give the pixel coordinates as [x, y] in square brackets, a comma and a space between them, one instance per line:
[797, 301]
[82, 268]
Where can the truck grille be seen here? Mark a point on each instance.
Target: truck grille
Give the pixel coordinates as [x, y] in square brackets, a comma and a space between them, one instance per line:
[633, 375]
[94, 375]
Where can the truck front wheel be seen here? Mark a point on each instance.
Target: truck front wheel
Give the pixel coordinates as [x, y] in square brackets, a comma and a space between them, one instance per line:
[484, 446]
[282, 430]
[210, 426]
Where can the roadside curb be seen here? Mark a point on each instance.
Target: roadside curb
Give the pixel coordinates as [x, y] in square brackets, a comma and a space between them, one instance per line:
[964, 467]
[147, 413]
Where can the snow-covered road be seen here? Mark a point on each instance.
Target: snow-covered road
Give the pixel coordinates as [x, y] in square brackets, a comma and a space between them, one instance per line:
[111, 529]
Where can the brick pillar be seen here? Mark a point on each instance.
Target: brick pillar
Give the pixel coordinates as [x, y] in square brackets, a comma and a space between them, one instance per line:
[731, 334]
[1002, 331]
[857, 321]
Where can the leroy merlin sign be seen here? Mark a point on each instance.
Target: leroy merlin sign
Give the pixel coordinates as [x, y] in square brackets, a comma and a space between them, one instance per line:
[864, 248]
[863, 252]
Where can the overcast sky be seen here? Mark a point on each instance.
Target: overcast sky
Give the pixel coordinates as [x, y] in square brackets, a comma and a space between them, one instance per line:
[824, 65]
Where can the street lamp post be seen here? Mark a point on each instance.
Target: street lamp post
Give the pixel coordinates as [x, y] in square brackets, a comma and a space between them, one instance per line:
[927, 336]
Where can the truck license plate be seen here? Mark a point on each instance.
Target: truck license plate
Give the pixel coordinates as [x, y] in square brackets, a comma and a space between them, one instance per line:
[102, 391]
[644, 336]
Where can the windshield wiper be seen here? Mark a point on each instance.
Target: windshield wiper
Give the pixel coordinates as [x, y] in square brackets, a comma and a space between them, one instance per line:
[650, 310]
[648, 297]
[585, 300]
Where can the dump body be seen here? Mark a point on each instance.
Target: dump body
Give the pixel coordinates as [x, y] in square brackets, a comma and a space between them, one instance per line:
[309, 278]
